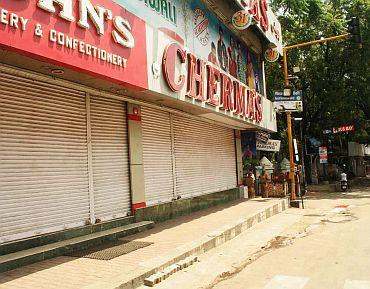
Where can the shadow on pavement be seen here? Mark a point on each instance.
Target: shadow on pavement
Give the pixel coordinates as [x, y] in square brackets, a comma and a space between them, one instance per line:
[166, 225]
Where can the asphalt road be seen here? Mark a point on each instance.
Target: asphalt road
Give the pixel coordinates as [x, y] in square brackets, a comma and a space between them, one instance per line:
[334, 255]
[325, 246]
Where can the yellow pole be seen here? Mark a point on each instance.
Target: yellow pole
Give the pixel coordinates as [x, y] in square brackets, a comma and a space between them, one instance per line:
[286, 80]
[329, 39]
[290, 136]
[291, 155]
[288, 114]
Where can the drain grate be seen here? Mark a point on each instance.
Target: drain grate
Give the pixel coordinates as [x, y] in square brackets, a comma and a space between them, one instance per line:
[110, 250]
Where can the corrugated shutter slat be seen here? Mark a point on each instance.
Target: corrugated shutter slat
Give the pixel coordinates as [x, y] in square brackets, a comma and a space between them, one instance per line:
[43, 158]
[110, 158]
[205, 157]
[157, 154]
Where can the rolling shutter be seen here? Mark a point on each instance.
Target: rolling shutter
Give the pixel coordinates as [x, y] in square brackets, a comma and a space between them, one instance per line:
[205, 157]
[110, 158]
[157, 155]
[43, 158]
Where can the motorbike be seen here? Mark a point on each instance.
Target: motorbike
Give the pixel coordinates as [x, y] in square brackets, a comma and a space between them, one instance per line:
[343, 186]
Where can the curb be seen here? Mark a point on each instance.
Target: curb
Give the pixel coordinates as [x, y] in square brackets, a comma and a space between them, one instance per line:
[200, 246]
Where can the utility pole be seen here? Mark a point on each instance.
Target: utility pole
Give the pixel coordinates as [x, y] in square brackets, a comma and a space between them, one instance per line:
[288, 114]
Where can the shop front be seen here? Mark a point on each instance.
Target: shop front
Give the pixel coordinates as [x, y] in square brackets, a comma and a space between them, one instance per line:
[109, 107]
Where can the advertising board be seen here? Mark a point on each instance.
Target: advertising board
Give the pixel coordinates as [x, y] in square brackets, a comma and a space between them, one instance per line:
[109, 43]
[323, 153]
[271, 146]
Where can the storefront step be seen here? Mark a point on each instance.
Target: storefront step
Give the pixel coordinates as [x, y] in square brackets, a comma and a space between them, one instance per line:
[33, 255]
[58, 236]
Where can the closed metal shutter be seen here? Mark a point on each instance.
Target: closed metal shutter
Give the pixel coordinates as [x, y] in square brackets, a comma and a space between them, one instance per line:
[43, 158]
[205, 157]
[110, 158]
[157, 155]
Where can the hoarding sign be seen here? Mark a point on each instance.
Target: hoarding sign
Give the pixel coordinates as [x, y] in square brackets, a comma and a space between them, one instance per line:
[94, 36]
[271, 146]
[323, 153]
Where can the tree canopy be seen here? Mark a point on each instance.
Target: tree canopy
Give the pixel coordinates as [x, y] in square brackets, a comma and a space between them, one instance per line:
[335, 76]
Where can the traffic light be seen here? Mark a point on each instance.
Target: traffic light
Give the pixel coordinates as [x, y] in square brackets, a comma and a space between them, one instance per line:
[354, 29]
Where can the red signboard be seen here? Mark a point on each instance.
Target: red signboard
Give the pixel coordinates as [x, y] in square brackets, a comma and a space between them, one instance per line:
[94, 36]
[345, 128]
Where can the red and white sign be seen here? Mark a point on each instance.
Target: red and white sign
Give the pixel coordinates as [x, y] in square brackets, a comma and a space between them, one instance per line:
[206, 83]
[94, 36]
[345, 128]
[323, 153]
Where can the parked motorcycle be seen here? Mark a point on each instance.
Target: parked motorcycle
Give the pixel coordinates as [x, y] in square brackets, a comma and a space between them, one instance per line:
[344, 186]
[343, 182]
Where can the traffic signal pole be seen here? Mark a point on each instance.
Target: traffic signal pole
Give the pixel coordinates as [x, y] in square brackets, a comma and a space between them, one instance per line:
[288, 114]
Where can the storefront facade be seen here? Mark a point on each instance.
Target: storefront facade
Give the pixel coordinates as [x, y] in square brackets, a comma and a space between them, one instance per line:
[107, 107]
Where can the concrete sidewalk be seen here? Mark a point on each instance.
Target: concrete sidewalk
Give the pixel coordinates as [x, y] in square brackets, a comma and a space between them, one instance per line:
[173, 240]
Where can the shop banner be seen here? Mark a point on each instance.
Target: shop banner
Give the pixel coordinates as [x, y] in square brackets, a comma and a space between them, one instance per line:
[323, 153]
[93, 36]
[271, 146]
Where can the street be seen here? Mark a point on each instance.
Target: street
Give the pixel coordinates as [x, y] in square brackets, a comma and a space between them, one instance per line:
[325, 246]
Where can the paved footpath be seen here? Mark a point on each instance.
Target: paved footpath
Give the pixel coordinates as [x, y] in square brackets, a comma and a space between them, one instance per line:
[324, 246]
[70, 272]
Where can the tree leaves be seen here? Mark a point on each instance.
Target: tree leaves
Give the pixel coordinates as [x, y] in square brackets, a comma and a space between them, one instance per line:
[336, 75]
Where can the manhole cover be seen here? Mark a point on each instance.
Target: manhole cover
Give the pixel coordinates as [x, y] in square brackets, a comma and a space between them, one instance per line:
[110, 250]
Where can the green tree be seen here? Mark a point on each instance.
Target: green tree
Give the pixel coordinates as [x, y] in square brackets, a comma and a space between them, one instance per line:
[336, 75]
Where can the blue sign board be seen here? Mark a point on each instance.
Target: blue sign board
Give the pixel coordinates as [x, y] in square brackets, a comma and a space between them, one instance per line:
[296, 96]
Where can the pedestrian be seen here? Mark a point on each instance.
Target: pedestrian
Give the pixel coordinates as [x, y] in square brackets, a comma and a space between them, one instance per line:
[264, 179]
[250, 181]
